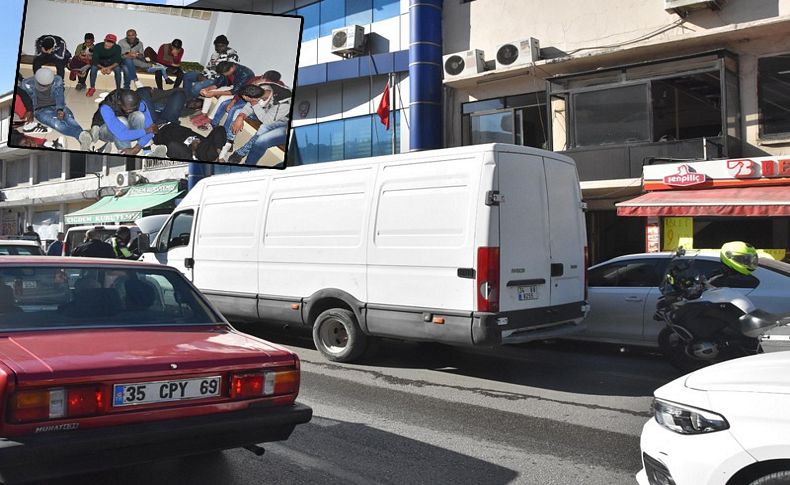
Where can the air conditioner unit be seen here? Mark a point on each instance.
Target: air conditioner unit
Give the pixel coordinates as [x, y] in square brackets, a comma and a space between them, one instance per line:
[126, 179]
[348, 41]
[525, 51]
[463, 63]
[682, 7]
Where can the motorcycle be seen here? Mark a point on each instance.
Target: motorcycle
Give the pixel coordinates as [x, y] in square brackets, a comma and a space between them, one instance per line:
[706, 324]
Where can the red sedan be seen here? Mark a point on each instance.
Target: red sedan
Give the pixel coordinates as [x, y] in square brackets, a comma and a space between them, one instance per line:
[106, 363]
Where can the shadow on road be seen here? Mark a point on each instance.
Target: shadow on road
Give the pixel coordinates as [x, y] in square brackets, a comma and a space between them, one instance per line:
[325, 451]
[569, 366]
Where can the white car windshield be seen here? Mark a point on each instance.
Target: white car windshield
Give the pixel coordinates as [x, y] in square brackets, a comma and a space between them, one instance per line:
[82, 296]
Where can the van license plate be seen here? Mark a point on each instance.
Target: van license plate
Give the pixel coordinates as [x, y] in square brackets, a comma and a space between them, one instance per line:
[165, 391]
[527, 293]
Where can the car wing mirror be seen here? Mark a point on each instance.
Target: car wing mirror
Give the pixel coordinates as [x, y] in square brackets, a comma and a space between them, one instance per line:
[144, 243]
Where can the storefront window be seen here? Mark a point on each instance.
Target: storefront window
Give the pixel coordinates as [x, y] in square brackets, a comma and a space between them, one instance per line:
[47, 224]
[616, 115]
[517, 119]
[774, 97]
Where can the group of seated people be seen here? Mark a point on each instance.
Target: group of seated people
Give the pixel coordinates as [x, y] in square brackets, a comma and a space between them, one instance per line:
[146, 120]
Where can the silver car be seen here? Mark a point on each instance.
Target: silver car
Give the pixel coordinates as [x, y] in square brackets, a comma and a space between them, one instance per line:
[623, 293]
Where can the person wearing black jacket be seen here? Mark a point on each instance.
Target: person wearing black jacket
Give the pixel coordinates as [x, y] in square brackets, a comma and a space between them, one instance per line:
[184, 144]
[93, 247]
[51, 49]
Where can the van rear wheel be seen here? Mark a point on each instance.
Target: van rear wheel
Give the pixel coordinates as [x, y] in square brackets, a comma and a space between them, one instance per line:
[337, 335]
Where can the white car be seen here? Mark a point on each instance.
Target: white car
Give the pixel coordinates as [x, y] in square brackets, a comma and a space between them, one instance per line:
[20, 247]
[725, 424]
[623, 293]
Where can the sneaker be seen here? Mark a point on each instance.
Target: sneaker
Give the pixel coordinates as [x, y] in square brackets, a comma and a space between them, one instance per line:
[103, 95]
[224, 152]
[80, 86]
[95, 133]
[90, 92]
[35, 128]
[158, 151]
[235, 158]
[85, 141]
[138, 84]
[169, 81]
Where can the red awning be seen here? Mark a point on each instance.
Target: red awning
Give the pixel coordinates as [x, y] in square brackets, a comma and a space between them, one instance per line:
[729, 202]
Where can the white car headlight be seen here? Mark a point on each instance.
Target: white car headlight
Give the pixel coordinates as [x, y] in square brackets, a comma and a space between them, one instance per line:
[686, 419]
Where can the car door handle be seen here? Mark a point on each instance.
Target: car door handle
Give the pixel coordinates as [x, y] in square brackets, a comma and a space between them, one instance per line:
[633, 298]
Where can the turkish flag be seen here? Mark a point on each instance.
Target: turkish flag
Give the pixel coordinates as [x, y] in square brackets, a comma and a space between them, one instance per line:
[384, 107]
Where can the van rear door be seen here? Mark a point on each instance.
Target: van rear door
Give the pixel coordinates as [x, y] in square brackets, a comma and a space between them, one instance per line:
[567, 232]
[523, 233]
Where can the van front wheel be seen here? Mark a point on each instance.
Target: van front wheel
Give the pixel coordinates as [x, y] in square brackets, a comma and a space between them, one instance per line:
[337, 335]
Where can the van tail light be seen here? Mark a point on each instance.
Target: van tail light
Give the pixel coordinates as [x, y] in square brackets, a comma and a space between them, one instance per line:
[586, 271]
[56, 403]
[267, 383]
[488, 279]
[65, 250]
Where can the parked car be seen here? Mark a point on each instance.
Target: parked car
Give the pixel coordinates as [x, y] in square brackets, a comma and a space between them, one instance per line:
[110, 362]
[623, 293]
[478, 245]
[20, 247]
[724, 424]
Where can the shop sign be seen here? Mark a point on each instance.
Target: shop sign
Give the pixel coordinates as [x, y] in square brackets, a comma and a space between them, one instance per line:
[685, 177]
[718, 173]
[653, 235]
[678, 231]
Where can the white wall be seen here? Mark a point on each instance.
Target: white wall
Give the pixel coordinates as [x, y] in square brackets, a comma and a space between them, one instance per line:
[71, 21]
[265, 42]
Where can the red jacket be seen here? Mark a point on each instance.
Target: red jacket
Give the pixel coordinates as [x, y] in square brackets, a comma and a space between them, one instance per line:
[165, 58]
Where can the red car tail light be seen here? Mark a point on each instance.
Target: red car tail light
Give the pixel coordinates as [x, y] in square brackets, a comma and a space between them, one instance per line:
[85, 401]
[55, 403]
[488, 279]
[267, 383]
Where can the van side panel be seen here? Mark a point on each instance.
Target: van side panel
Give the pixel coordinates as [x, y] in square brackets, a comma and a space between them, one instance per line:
[314, 233]
[226, 246]
[567, 231]
[422, 233]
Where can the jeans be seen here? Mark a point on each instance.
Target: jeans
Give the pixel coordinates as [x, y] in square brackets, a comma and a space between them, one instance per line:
[60, 64]
[129, 67]
[266, 137]
[231, 114]
[135, 121]
[116, 70]
[192, 86]
[168, 109]
[68, 126]
[173, 71]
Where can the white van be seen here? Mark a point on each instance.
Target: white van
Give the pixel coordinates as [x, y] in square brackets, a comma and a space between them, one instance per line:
[478, 245]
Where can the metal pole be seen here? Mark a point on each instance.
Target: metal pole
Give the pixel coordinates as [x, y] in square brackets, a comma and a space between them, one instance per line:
[393, 106]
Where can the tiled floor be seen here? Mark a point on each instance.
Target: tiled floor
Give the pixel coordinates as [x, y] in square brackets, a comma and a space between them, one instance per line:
[84, 108]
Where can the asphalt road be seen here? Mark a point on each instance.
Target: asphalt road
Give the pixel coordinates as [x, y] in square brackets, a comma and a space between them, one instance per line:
[558, 413]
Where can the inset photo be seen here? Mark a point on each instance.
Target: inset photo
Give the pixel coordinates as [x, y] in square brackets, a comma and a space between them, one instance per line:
[157, 81]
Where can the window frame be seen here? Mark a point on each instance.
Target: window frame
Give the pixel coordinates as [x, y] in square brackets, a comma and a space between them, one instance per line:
[506, 107]
[760, 118]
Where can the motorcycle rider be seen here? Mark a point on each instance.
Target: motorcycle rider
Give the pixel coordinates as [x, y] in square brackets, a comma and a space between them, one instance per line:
[120, 243]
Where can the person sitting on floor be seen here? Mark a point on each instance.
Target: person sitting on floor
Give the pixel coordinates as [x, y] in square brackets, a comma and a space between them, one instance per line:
[194, 81]
[165, 106]
[273, 115]
[232, 78]
[133, 53]
[169, 63]
[184, 144]
[123, 118]
[49, 106]
[107, 59]
[81, 62]
[51, 49]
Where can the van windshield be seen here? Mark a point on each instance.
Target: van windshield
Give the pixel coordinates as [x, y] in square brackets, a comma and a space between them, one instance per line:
[85, 296]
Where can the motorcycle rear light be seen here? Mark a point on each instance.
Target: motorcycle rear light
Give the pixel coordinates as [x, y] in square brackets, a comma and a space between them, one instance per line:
[268, 383]
[488, 279]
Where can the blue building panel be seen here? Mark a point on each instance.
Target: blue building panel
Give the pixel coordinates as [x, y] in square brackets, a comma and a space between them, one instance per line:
[347, 69]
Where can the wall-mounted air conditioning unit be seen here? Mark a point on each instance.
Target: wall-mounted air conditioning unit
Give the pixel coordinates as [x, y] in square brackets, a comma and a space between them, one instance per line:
[126, 179]
[682, 7]
[348, 41]
[463, 63]
[524, 51]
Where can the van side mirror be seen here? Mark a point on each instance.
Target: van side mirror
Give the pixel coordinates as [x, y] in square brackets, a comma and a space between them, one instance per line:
[144, 243]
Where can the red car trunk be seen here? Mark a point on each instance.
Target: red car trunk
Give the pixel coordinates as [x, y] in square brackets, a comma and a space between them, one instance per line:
[40, 358]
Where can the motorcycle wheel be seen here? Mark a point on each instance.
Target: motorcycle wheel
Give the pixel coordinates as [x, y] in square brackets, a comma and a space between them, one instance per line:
[674, 349]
